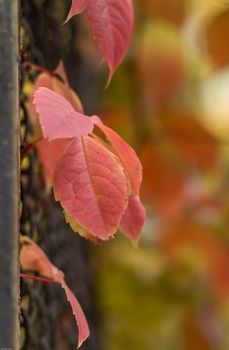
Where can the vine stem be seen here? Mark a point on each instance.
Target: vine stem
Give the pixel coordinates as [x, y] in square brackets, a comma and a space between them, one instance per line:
[27, 147]
[36, 278]
[42, 70]
[37, 67]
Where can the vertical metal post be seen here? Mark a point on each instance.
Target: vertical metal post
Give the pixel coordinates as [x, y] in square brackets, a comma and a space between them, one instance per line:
[9, 174]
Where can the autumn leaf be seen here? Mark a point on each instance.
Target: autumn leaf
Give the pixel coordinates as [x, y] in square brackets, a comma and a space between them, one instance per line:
[77, 6]
[79, 229]
[217, 32]
[162, 183]
[63, 88]
[111, 22]
[187, 233]
[125, 153]
[131, 224]
[49, 152]
[58, 118]
[78, 313]
[133, 219]
[58, 82]
[170, 11]
[91, 185]
[160, 65]
[33, 258]
[190, 138]
[92, 179]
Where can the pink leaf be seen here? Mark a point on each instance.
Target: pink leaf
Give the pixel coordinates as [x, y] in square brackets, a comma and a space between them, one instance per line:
[79, 229]
[112, 24]
[57, 116]
[134, 218]
[33, 258]
[51, 81]
[125, 153]
[78, 6]
[78, 313]
[60, 86]
[43, 80]
[91, 185]
[49, 153]
[96, 120]
[64, 89]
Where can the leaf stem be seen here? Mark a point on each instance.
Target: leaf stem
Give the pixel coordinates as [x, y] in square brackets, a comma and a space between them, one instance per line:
[36, 278]
[37, 67]
[27, 147]
[42, 70]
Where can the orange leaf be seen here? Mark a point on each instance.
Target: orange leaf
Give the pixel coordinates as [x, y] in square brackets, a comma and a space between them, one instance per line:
[162, 183]
[188, 233]
[190, 138]
[217, 39]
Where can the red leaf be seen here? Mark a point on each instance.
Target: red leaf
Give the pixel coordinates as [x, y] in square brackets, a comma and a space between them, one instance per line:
[133, 220]
[64, 89]
[61, 87]
[57, 116]
[78, 313]
[49, 153]
[125, 153]
[112, 24]
[33, 258]
[79, 229]
[91, 185]
[78, 6]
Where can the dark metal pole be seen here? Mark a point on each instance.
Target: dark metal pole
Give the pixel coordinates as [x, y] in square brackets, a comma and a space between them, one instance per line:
[9, 174]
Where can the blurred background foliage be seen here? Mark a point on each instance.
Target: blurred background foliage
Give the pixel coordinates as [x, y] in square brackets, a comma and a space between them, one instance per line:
[170, 100]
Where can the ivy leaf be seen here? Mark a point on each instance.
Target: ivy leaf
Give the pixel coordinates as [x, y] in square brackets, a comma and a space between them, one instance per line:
[80, 230]
[91, 185]
[49, 153]
[77, 7]
[78, 313]
[58, 118]
[133, 220]
[33, 258]
[58, 82]
[112, 25]
[63, 88]
[125, 153]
